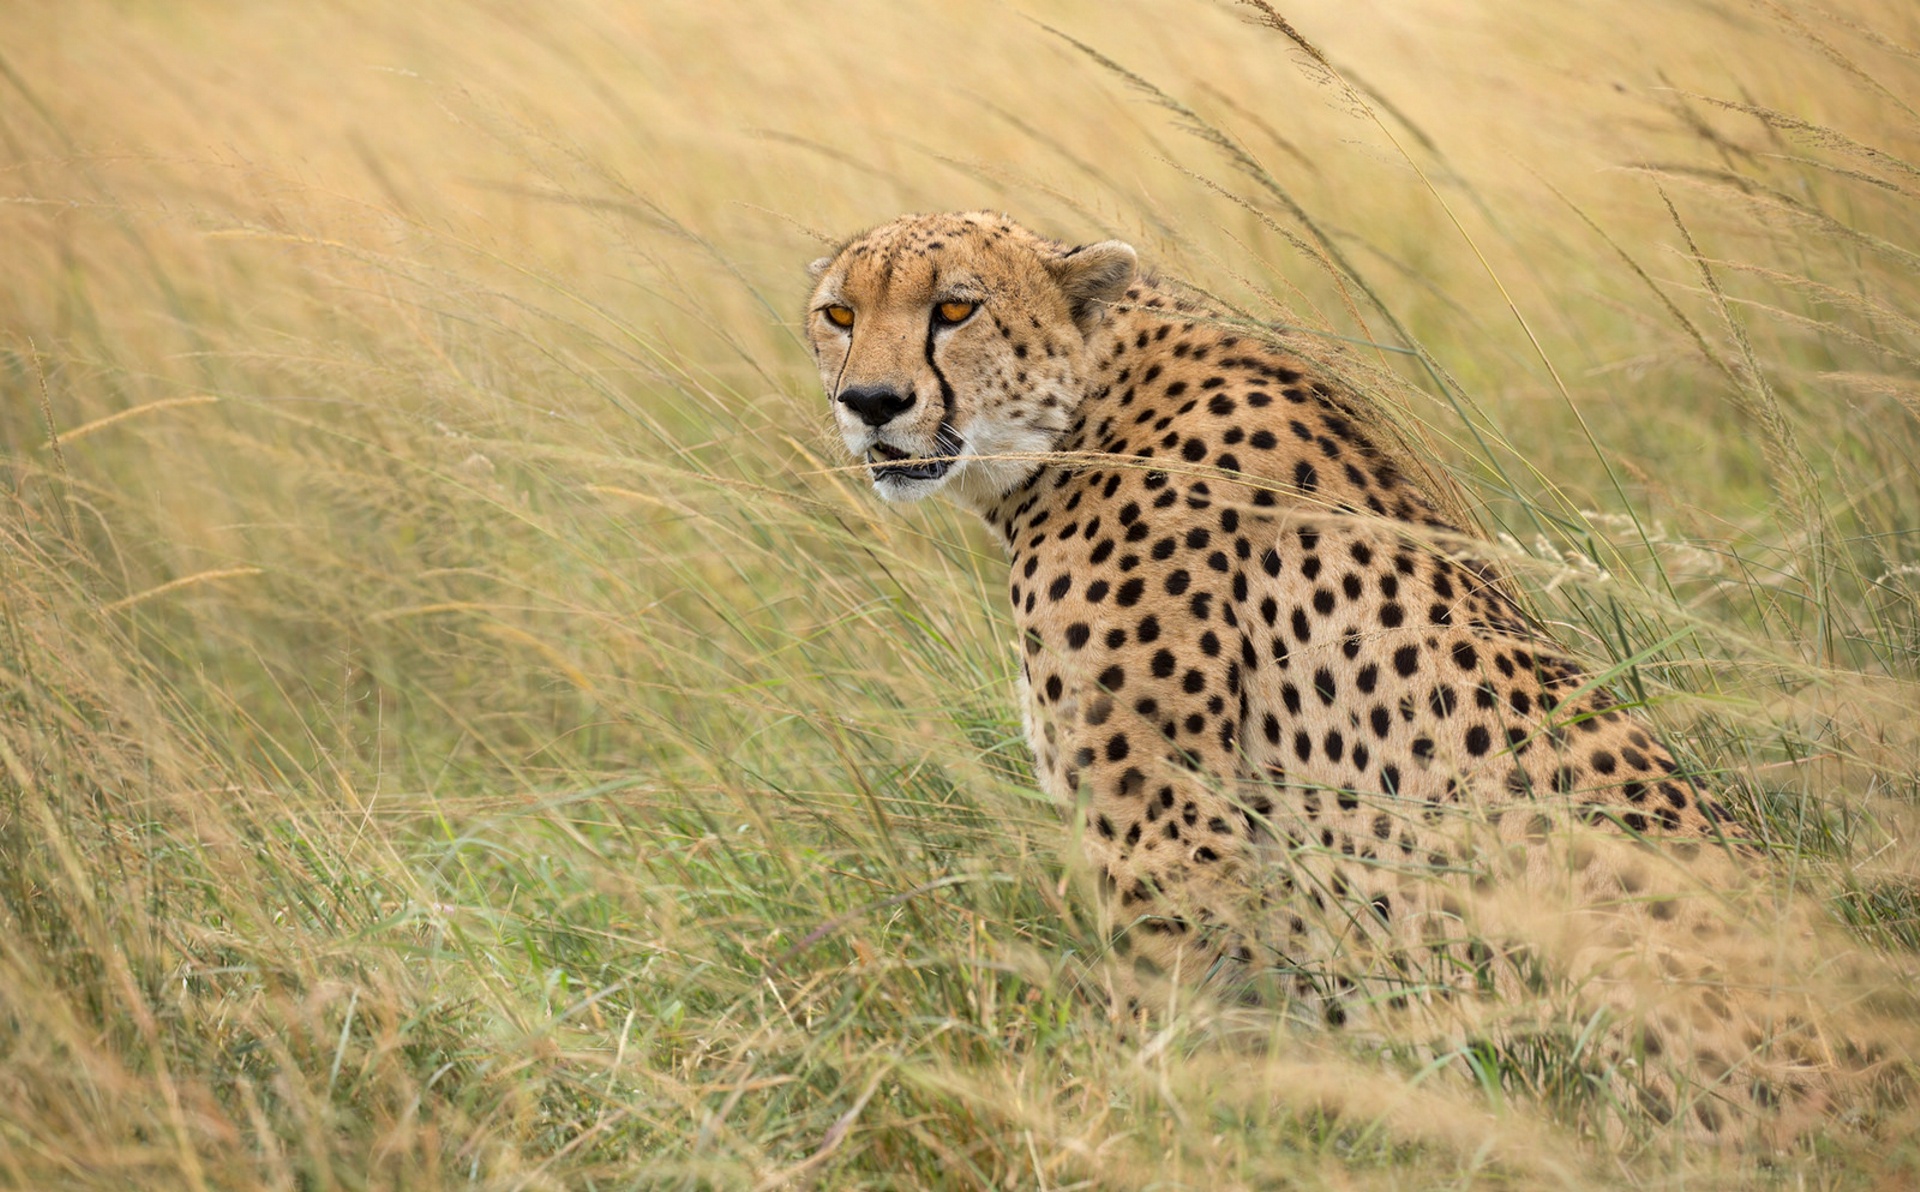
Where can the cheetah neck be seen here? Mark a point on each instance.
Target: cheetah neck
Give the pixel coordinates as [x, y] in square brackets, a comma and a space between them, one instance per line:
[1126, 343]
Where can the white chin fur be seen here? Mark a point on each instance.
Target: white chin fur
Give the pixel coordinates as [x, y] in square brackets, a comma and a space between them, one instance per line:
[1000, 458]
[895, 488]
[977, 480]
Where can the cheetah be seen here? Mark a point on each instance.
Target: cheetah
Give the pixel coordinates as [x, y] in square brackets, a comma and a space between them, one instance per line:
[1314, 748]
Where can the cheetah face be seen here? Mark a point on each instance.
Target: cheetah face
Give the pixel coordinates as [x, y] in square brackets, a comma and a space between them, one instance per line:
[953, 348]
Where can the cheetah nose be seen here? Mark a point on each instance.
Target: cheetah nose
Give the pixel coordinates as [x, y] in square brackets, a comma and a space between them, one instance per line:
[876, 406]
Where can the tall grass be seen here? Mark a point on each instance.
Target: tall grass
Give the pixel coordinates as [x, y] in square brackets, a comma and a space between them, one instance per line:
[465, 725]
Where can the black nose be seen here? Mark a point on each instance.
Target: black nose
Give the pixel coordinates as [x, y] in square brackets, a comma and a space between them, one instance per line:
[876, 406]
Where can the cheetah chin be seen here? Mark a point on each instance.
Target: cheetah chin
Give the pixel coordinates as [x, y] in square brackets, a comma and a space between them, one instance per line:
[900, 475]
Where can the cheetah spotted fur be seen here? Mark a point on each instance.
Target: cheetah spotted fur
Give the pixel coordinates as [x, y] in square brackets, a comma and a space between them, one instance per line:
[1310, 741]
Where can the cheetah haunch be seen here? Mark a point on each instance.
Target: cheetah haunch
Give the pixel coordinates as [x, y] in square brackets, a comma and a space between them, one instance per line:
[1316, 748]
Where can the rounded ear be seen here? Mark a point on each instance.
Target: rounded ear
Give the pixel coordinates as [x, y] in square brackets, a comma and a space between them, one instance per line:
[816, 268]
[1092, 275]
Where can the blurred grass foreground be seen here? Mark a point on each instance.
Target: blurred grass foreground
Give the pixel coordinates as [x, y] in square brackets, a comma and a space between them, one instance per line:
[465, 727]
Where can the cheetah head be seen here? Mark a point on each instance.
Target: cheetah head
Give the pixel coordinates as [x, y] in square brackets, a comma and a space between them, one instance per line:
[953, 348]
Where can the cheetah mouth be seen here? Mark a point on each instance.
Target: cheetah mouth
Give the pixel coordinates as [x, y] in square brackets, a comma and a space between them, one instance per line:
[887, 462]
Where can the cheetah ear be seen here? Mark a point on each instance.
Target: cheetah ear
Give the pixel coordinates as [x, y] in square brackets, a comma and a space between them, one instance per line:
[1092, 275]
[815, 269]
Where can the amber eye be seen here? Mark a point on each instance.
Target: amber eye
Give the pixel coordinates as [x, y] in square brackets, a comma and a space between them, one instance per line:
[839, 316]
[953, 312]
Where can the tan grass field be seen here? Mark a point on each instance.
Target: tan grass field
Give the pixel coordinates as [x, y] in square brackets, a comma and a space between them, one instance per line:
[465, 726]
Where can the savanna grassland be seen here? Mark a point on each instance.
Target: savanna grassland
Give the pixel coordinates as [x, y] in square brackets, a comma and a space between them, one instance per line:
[465, 725]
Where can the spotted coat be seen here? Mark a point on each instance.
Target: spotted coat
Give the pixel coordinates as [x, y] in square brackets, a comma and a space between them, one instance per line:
[1301, 726]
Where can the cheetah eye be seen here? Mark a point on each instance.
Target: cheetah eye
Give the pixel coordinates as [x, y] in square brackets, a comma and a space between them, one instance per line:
[839, 316]
[952, 313]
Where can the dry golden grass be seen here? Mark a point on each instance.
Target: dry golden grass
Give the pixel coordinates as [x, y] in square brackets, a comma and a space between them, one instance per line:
[464, 725]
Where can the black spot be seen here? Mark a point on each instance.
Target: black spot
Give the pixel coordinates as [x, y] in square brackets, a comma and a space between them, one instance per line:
[1406, 660]
[1149, 630]
[1163, 664]
[1304, 477]
[1335, 745]
[1117, 747]
[1177, 582]
[1077, 634]
[1060, 587]
[1479, 741]
[1392, 616]
[1464, 656]
[1382, 721]
[1323, 685]
[1113, 678]
[1367, 679]
[1130, 592]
